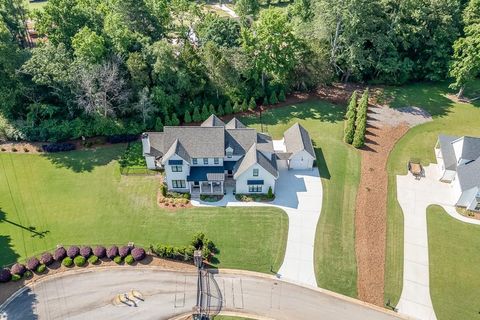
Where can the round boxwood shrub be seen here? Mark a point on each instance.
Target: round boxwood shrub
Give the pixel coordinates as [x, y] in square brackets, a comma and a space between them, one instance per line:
[100, 251]
[73, 251]
[16, 277]
[32, 264]
[5, 275]
[93, 259]
[138, 254]
[18, 269]
[46, 258]
[60, 254]
[117, 259]
[79, 261]
[124, 251]
[129, 259]
[41, 268]
[112, 252]
[28, 274]
[67, 262]
[86, 252]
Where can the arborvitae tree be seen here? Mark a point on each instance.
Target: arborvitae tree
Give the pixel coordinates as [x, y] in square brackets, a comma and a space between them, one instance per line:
[167, 120]
[273, 98]
[252, 104]
[349, 130]
[205, 113]
[175, 121]
[228, 107]
[158, 124]
[211, 109]
[265, 101]
[361, 121]
[244, 105]
[197, 117]
[281, 96]
[236, 107]
[187, 118]
[220, 111]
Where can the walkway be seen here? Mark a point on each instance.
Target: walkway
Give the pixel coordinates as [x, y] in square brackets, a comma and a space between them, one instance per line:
[299, 193]
[90, 295]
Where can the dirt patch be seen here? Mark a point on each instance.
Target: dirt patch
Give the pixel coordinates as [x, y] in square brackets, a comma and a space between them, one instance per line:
[7, 289]
[385, 126]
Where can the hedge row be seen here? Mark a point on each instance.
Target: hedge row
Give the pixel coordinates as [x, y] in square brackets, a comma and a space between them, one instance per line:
[58, 147]
[185, 253]
[69, 257]
[122, 138]
[349, 130]
[361, 121]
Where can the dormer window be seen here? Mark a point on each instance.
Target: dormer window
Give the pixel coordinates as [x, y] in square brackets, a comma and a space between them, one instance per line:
[205, 160]
[229, 152]
[194, 161]
[216, 161]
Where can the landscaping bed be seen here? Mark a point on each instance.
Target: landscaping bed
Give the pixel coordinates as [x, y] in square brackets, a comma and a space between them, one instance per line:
[172, 200]
[212, 198]
[254, 197]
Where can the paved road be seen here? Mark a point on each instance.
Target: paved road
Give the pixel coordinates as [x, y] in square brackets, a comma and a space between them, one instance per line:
[89, 295]
[299, 193]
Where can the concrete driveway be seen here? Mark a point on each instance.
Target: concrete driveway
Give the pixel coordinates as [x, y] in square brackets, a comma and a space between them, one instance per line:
[299, 193]
[89, 294]
[414, 197]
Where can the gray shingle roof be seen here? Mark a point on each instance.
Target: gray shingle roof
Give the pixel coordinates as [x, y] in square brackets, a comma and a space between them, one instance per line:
[213, 121]
[156, 144]
[198, 142]
[471, 148]
[177, 148]
[469, 175]
[254, 156]
[240, 140]
[448, 154]
[298, 139]
[264, 143]
[234, 124]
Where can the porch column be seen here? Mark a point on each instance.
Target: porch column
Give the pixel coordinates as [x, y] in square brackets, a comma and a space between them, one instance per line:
[221, 184]
[211, 187]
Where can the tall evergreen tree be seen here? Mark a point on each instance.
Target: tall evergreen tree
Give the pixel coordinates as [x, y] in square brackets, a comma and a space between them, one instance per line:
[187, 118]
[205, 113]
[197, 117]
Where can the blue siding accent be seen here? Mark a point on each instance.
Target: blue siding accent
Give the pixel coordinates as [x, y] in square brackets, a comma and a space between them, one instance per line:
[228, 165]
[200, 173]
[175, 162]
[253, 182]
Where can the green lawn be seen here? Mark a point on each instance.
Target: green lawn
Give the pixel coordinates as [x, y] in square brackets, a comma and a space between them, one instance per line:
[339, 165]
[230, 318]
[448, 118]
[35, 5]
[80, 198]
[454, 248]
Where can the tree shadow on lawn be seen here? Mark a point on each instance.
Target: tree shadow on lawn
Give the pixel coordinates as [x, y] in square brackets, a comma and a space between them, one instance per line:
[84, 160]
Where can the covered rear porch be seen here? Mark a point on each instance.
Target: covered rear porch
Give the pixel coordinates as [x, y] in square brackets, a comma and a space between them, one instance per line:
[206, 180]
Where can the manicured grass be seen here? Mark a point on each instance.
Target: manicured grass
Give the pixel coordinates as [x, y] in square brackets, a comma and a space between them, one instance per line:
[339, 164]
[37, 5]
[448, 118]
[80, 197]
[454, 248]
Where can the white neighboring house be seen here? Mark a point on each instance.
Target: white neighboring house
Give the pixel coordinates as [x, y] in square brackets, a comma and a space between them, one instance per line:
[204, 159]
[459, 158]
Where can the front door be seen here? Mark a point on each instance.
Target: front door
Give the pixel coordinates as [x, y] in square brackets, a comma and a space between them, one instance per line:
[196, 183]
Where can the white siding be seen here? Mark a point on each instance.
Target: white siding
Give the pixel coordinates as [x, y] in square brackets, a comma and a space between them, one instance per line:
[210, 163]
[268, 179]
[170, 175]
[458, 147]
[456, 189]
[301, 160]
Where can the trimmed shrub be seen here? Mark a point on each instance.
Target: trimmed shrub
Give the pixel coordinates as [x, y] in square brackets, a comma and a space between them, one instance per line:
[228, 107]
[124, 251]
[85, 252]
[129, 259]
[174, 121]
[58, 147]
[197, 241]
[5, 275]
[281, 96]
[122, 138]
[138, 254]
[100, 251]
[117, 259]
[79, 261]
[67, 262]
[73, 251]
[60, 254]
[197, 117]
[265, 101]
[41, 268]
[237, 107]
[18, 269]
[158, 124]
[46, 258]
[211, 109]
[205, 113]
[270, 192]
[273, 98]
[349, 130]
[187, 118]
[252, 104]
[32, 264]
[361, 121]
[244, 105]
[16, 277]
[93, 259]
[28, 274]
[220, 111]
[112, 252]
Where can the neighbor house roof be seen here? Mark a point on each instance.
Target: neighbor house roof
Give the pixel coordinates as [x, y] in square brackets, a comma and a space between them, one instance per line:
[298, 139]
[198, 142]
[448, 154]
[213, 121]
[252, 157]
[234, 124]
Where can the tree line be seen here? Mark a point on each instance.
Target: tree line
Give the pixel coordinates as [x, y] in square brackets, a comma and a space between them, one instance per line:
[125, 66]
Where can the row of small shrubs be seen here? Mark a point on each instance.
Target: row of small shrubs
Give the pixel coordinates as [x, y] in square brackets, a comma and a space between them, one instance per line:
[171, 194]
[72, 256]
[356, 120]
[58, 147]
[185, 253]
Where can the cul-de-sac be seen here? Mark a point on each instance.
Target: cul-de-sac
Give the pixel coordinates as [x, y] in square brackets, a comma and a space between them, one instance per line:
[239, 159]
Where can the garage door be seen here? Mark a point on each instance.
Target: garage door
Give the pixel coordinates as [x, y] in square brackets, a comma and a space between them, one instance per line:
[300, 164]
[282, 164]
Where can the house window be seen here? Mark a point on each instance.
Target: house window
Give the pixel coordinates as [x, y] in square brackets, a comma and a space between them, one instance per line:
[216, 161]
[178, 184]
[205, 160]
[194, 161]
[477, 208]
[229, 154]
[255, 172]
[176, 168]
[255, 188]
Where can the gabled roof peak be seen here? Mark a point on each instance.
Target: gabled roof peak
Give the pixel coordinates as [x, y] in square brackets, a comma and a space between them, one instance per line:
[213, 121]
[235, 124]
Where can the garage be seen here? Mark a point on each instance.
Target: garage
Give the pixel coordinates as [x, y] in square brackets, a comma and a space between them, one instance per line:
[300, 162]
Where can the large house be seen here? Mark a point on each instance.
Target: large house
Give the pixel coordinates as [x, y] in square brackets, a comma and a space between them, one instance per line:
[205, 159]
[459, 158]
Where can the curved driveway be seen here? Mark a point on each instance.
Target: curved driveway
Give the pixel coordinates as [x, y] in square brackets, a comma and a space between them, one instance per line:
[89, 295]
[299, 193]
